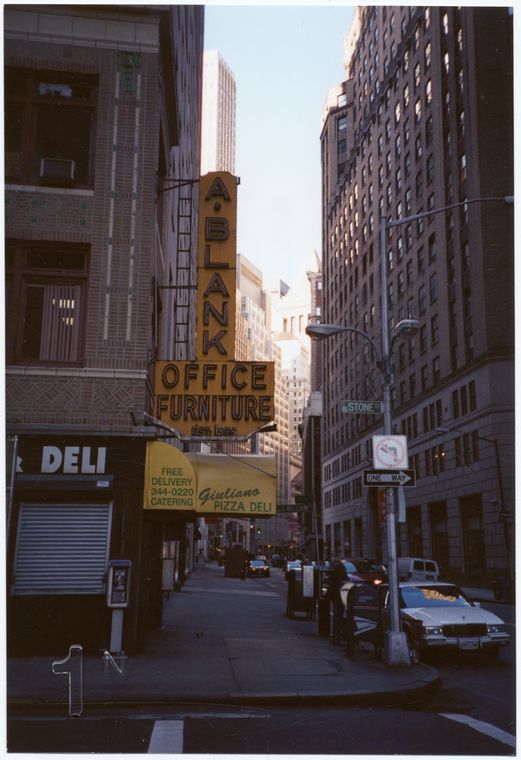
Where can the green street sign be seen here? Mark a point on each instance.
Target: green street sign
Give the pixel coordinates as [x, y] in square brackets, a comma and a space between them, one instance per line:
[286, 508]
[362, 407]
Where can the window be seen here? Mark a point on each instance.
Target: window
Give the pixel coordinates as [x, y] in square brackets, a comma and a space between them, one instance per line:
[406, 96]
[428, 92]
[428, 130]
[427, 55]
[46, 288]
[435, 330]
[341, 124]
[423, 338]
[424, 376]
[417, 76]
[421, 299]
[435, 369]
[418, 147]
[432, 247]
[397, 113]
[433, 288]
[406, 131]
[417, 110]
[419, 184]
[49, 128]
[463, 168]
[430, 169]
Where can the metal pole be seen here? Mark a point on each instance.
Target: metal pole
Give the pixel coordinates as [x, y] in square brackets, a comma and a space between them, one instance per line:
[10, 490]
[396, 650]
[314, 490]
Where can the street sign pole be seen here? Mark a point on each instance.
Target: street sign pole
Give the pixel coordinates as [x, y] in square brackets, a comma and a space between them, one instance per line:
[396, 651]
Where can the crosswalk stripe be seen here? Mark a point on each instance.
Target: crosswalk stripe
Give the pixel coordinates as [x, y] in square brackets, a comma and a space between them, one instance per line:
[167, 736]
[484, 728]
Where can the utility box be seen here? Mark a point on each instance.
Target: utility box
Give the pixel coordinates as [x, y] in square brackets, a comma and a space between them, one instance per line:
[235, 562]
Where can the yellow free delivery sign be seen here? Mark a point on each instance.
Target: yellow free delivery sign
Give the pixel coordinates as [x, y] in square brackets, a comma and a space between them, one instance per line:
[209, 483]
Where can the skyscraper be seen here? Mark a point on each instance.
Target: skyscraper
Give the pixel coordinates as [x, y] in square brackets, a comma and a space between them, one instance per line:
[423, 122]
[218, 123]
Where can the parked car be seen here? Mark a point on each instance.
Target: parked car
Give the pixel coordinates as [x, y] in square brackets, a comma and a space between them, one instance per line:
[364, 571]
[417, 569]
[259, 567]
[277, 560]
[434, 616]
[295, 564]
[440, 615]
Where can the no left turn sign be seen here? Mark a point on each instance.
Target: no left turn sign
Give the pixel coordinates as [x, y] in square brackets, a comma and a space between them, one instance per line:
[390, 452]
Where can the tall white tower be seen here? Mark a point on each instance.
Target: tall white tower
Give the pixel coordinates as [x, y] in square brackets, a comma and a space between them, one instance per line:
[218, 116]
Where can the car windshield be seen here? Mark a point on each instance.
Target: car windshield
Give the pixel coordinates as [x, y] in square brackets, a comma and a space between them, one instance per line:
[349, 566]
[257, 562]
[433, 596]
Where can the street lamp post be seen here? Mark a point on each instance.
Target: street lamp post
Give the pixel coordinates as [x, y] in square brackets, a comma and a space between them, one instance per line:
[396, 644]
[396, 650]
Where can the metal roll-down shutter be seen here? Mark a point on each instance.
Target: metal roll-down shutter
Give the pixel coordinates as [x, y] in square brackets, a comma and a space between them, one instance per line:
[62, 548]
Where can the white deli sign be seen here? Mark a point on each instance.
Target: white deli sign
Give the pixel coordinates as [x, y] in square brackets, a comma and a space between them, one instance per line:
[390, 452]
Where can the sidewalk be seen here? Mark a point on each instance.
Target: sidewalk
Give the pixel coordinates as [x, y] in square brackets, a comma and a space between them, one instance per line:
[225, 640]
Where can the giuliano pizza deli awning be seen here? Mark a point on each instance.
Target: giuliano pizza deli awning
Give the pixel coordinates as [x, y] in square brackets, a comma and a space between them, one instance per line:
[209, 483]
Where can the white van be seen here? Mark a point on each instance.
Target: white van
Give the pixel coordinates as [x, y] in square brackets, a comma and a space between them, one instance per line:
[417, 569]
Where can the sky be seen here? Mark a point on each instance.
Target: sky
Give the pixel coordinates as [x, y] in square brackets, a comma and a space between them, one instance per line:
[284, 59]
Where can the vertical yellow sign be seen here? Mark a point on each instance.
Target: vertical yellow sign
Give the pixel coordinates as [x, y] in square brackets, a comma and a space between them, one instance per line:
[216, 279]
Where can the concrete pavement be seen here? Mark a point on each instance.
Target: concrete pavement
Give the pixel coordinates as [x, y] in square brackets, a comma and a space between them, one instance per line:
[225, 640]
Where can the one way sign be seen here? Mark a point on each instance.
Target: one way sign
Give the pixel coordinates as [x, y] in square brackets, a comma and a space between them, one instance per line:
[389, 478]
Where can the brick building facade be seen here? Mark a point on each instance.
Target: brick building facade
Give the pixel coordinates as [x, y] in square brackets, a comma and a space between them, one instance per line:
[102, 161]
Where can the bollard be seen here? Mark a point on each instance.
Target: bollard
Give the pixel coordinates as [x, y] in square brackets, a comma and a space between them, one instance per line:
[324, 618]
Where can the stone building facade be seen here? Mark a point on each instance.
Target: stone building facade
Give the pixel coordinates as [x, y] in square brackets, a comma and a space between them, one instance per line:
[423, 122]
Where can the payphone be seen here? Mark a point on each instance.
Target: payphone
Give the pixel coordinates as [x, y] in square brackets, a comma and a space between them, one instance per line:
[118, 592]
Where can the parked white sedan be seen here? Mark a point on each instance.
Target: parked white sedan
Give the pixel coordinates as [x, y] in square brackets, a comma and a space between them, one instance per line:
[436, 615]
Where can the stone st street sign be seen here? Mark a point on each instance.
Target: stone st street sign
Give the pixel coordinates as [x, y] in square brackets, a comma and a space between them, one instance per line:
[361, 407]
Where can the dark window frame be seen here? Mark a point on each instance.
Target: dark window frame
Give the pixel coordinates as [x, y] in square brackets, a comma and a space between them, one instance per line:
[23, 97]
[21, 275]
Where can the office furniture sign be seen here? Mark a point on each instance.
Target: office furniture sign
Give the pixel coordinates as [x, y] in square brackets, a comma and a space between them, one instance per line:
[215, 397]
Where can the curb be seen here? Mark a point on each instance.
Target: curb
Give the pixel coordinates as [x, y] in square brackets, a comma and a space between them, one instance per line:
[390, 697]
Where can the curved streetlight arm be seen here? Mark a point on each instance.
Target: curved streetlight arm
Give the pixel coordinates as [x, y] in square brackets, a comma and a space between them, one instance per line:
[335, 329]
[508, 199]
